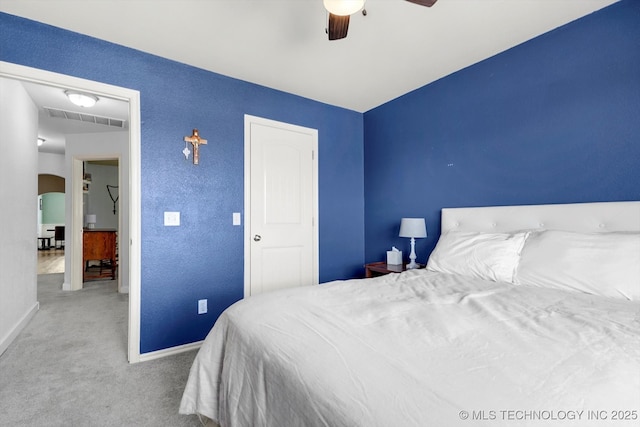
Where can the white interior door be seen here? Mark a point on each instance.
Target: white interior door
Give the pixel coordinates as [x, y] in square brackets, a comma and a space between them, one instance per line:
[281, 241]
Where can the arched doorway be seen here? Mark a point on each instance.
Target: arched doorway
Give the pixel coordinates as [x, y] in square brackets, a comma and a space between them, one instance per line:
[50, 184]
[50, 225]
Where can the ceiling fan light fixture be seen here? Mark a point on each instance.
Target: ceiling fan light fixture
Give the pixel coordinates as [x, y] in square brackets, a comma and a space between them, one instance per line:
[343, 7]
[81, 99]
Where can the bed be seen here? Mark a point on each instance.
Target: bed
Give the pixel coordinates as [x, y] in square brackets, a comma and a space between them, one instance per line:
[525, 315]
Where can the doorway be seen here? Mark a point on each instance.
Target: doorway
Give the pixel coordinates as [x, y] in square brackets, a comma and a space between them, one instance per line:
[101, 218]
[281, 205]
[51, 217]
[74, 220]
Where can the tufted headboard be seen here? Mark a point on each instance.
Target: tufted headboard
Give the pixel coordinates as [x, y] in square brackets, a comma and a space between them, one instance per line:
[579, 217]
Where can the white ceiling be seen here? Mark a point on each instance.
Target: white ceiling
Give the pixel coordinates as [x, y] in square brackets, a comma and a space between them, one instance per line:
[54, 129]
[397, 47]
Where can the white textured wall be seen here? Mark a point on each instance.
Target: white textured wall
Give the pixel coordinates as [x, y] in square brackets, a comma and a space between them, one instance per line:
[19, 193]
[97, 201]
[51, 164]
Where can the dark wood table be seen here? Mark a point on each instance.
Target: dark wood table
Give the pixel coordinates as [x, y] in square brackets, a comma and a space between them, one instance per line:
[374, 269]
[44, 243]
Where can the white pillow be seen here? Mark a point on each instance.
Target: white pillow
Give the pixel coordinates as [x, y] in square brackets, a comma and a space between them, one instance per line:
[606, 264]
[489, 256]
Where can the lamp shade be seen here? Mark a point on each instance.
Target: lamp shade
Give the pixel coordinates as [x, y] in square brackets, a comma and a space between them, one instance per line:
[90, 219]
[413, 227]
[343, 7]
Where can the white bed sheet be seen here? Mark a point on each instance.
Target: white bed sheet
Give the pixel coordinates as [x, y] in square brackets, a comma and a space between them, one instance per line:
[419, 349]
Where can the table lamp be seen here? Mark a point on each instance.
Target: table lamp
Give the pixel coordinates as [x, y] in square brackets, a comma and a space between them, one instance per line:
[90, 220]
[413, 228]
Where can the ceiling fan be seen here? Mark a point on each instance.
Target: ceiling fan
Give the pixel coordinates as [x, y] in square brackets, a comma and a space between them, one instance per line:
[340, 10]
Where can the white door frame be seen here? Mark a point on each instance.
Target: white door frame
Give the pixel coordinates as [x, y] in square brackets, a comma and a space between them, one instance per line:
[248, 120]
[77, 220]
[22, 73]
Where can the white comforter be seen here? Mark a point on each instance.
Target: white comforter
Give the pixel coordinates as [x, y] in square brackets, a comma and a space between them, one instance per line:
[420, 349]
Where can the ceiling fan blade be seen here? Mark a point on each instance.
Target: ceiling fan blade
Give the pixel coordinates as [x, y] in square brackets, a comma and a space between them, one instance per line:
[338, 26]
[427, 3]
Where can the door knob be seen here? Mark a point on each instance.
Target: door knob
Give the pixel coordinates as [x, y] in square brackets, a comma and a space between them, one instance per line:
[257, 237]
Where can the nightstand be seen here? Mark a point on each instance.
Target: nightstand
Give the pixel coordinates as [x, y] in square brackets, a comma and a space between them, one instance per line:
[374, 269]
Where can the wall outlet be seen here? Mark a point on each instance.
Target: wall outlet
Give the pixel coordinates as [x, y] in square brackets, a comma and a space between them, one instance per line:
[236, 218]
[202, 306]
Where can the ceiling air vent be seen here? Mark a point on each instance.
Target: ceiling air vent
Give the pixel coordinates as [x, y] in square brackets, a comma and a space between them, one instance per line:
[87, 118]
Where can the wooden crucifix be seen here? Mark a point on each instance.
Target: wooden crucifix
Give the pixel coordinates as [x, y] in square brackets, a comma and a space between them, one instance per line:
[196, 141]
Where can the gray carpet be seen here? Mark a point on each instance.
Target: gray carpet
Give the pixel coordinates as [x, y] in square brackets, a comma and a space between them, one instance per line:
[69, 366]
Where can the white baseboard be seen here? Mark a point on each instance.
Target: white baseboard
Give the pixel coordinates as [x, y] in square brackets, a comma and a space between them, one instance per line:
[66, 286]
[144, 357]
[13, 333]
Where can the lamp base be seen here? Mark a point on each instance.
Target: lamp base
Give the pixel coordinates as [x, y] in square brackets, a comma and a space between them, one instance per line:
[412, 265]
[412, 256]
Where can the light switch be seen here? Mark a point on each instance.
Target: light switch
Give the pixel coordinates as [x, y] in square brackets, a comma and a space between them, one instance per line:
[171, 219]
[236, 218]
[202, 306]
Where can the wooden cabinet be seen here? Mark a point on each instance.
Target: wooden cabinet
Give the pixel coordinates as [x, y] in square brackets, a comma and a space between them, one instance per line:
[375, 269]
[99, 248]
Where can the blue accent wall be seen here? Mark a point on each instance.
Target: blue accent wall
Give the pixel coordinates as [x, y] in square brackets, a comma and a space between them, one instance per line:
[553, 120]
[203, 258]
